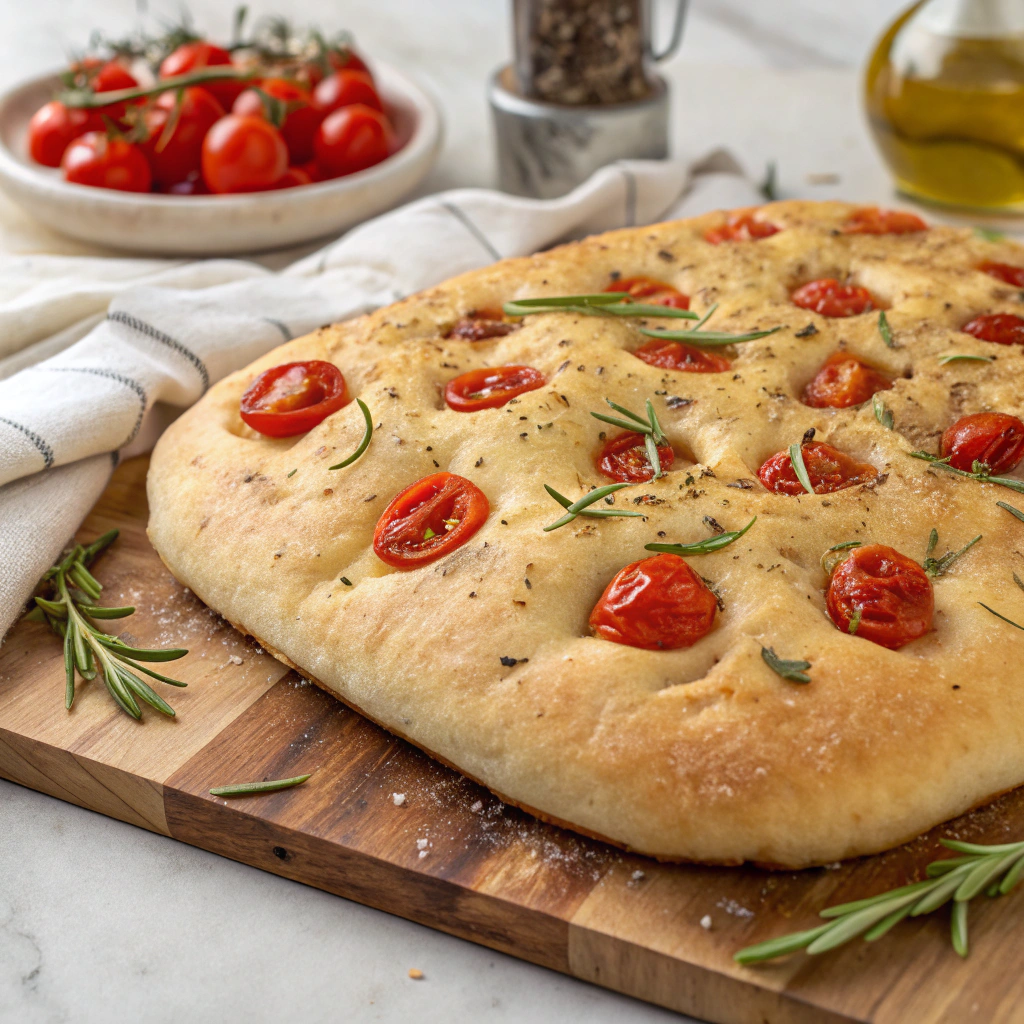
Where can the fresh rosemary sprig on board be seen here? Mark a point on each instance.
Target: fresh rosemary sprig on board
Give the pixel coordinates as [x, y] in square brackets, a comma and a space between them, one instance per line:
[581, 507]
[71, 610]
[649, 427]
[702, 547]
[994, 870]
[979, 471]
[252, 788]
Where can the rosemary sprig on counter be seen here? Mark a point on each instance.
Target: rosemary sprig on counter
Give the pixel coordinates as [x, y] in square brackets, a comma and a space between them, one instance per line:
[979, 471]
[794, 671]
[71, 610]
[650, 427]
[993, 870]
[367, 434]
[702, 547]
[252, 788]
[581, 507]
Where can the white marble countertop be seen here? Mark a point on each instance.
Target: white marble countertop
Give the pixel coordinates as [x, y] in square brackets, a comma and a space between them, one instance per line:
[103, 922]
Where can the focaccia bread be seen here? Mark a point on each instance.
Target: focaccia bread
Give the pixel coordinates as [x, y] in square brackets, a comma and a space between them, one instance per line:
[484, 657]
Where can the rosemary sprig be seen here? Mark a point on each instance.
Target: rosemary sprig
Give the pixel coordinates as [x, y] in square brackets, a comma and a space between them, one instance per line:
[85, 99]
[796, 456]
[367, 434]
[794, 671]
[855, 621]
[70, 610]
[834, 555]
[885, 330]
[994, 870]
[883, 415]
[1013, 511]
[250, 788]
[702, 547]
[581, 507]
[936, 567]
[979, 471]
[999, 616]
[602, 304]
[650, 427]
[990, 234]
[957, 357]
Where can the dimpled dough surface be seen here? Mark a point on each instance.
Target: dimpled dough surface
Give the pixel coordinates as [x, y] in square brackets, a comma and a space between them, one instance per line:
[700, 754]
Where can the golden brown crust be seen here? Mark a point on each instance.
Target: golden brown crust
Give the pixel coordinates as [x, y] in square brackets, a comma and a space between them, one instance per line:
[700, 754]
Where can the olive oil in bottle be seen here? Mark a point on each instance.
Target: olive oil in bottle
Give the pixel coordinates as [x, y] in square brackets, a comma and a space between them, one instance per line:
[945, 99]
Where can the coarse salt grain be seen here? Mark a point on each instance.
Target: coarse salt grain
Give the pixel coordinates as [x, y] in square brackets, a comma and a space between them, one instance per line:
[637, 875]
[477, 807]
[234, 659]
[421, 844]
[422, 854]
[398, 799]
[705, 922]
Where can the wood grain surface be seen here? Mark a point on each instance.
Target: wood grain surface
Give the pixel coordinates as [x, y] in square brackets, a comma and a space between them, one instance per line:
[451, 855]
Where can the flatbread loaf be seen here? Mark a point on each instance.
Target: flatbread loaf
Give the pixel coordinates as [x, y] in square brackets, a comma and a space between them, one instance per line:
[484, 657]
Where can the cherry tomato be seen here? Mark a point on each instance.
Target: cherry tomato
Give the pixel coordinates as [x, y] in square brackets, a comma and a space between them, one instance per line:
[301, 120]
[892, 593]
[344, 88]
[1002, 328]
[174, 159]
[1005, 272]
[658, 604]
[243, 154]
[342, 57]
[624, 458]
[827, 468]
[870, 220]
[293, 398]
[991, 438]
[480, 325]
[740, 227]
[830, 298]
[292, 178]
[657, 293]
[54, 127]
[428, 520]
[843, 381]
[490, 389]
[197, 55]
[352, 139]
[93, 159]
[674, 355]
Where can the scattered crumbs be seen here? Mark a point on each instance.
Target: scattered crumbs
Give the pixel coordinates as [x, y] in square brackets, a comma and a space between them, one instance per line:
[705, 922]
[291, 474]
[730, 906]
[477, 807]
[637, 875]
[398, 799]
[422, 844]
[416, 974]
[422, 854]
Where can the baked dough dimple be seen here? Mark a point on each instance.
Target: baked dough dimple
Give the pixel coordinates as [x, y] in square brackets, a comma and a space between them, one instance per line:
[698, 754]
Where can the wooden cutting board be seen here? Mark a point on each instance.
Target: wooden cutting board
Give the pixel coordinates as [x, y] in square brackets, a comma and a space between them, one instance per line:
[452, 856]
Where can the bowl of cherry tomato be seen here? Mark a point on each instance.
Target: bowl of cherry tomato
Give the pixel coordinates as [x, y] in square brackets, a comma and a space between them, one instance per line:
[186, 147]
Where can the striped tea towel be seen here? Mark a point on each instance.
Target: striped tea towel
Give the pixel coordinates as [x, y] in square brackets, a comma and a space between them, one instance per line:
[99, 354]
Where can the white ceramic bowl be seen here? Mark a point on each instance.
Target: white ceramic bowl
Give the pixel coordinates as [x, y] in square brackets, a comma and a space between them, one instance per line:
[207, 225]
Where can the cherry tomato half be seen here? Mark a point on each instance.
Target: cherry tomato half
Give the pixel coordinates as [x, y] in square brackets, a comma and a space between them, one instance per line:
[892, 593]
[870, 220]
[658, 604]
[173, 159]
[93, 159]
[1001, 328]
[828, 469]
[740, 227]
[293, 398]
[491, 388]
[243, 154]
[428, 520]
[196, 55]
[843, 381]
[352, 139]
[344, 88]
[674, 355]
[1005, 272]
[301, 120]
[830, 298]
[991, 438]
[54, 127]
[624, 458]
[480, 325]
[657, 293]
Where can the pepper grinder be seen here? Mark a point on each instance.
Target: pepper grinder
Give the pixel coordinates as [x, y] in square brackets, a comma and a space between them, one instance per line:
[580, 93]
